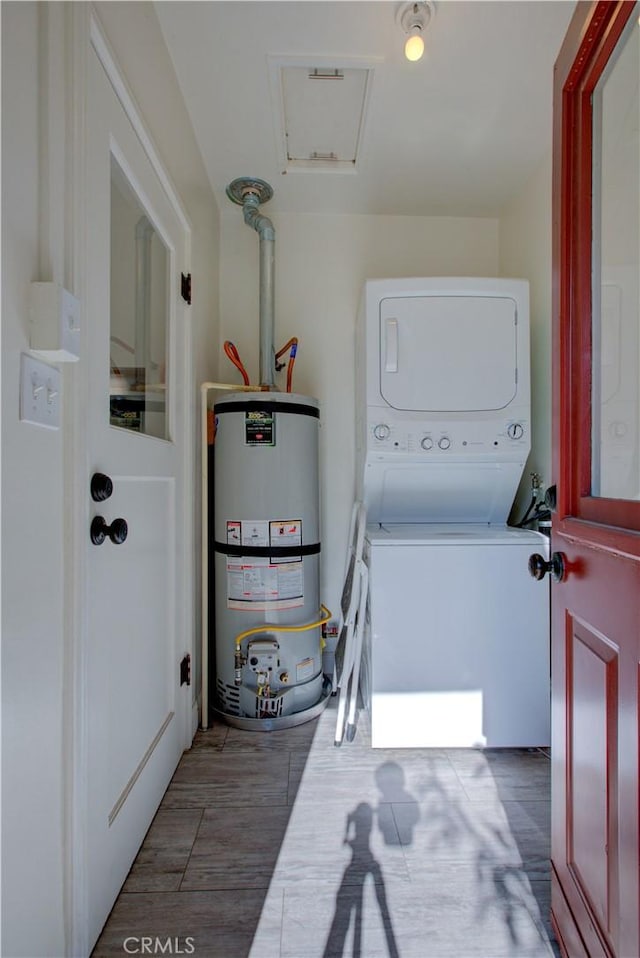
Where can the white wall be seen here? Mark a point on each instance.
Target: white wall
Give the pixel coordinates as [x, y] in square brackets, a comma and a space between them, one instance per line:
[321, 264]
[32, 533]
[36, 661]
[525, 251]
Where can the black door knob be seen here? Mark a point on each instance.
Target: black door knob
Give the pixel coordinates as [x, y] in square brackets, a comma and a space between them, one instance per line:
[101, 487]
[539, 566]
[117, 531]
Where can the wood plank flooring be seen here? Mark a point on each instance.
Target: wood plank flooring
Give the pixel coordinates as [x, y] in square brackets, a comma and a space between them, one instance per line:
[279, 845]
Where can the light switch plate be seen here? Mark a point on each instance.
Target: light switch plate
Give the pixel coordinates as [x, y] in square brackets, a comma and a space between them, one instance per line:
[39, 392]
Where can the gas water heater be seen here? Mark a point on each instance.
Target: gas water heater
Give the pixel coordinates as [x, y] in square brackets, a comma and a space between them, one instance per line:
[266, 530]
[267, 553]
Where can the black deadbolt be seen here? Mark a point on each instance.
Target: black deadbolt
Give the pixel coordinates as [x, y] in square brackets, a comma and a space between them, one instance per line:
[101, 487]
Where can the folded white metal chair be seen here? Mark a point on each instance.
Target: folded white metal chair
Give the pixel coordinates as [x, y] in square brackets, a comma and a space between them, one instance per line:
[351, 627]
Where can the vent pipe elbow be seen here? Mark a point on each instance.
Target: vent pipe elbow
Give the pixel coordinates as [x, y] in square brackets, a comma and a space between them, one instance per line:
[261, 224]
[249, 194]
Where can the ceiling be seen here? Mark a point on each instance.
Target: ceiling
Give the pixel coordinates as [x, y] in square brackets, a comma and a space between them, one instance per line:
[456, 134]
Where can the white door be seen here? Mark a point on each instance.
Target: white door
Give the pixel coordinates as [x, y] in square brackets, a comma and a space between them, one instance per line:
[136, 706]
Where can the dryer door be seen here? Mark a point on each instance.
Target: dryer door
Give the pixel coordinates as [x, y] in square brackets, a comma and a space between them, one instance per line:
[448, 353]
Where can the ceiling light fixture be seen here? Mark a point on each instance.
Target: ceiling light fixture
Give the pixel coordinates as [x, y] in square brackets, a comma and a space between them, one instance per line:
[414, 19]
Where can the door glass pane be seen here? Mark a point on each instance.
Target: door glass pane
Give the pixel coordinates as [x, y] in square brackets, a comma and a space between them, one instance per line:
[616, 268]
[139, 315]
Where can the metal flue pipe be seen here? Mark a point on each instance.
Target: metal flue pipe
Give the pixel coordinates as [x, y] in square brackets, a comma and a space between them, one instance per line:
[250, 193]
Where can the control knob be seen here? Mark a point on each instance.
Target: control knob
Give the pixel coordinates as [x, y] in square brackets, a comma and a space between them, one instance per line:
[426, 442]
[444, 442]
[515, 430]
[382, 431]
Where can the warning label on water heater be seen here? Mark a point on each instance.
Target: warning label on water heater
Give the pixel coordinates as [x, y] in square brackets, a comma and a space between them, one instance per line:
[260, 585]
[287, 534]
[265, 582]
[259, 428]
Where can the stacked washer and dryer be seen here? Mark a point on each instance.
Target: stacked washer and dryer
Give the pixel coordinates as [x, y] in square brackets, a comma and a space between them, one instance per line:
[456, 650]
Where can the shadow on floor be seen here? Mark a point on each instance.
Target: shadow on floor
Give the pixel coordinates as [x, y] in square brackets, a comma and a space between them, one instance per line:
[350, 896]
[279, 845]
[527, 805]
[350, 899]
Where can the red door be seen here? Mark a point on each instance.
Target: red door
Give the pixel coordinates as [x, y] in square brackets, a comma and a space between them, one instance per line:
[596, 524]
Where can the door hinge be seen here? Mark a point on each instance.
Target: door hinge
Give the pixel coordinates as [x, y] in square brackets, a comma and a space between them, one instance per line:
[185, 670]
[185, 288]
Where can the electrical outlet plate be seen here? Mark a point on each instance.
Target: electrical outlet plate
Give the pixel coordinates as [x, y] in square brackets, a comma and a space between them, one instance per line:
[54, 315]
[39, 393]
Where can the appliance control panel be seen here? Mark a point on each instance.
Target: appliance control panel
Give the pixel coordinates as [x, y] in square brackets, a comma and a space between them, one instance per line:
[435, 439]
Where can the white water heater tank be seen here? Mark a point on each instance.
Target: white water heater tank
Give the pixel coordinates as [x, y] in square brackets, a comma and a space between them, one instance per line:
[267, 556]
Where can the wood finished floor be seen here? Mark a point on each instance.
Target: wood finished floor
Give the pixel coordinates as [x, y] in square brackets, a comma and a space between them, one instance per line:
[279, 845]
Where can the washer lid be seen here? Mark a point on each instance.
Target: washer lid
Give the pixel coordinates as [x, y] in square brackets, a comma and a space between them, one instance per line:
[400, 489]
[448, 353]
[451, 534]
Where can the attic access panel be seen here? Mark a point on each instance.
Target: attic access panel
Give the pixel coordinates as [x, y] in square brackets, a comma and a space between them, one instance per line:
[322, 107]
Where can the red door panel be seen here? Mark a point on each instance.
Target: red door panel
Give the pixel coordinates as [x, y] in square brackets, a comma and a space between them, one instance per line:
[591, 748]
[565, 924]
[595, 669]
